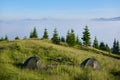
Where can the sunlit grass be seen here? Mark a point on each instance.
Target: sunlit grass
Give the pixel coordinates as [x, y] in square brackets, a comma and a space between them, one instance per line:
[14, 53]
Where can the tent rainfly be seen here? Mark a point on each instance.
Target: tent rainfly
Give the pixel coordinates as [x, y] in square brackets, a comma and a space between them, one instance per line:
[33, 63]
[91, 62]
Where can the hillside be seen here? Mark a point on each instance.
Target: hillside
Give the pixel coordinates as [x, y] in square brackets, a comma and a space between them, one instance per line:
[14, 53]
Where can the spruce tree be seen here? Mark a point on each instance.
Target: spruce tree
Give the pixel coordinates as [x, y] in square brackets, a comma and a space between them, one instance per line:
[95, 43]
[107, 48]
[78, 42]
[73, 38]
[2, 39]
[31, 34]
[70, 38]
[45, 36]
[17, 38]
[62, 39]
[102, 46]
[116, 47]
[6, 37]
[55, 38]
[86, 37]
[34, 34]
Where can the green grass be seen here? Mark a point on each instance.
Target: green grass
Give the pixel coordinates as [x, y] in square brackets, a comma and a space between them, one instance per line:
[14, 53]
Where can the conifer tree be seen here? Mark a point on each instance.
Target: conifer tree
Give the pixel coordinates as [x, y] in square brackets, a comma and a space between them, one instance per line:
[6, 37]
[102, 46]
[95, 43]
[73, 38]
[34, 34]
[107, 48]
[55, 38]
[2, 39]
[45, 36]
[31, 34]
[78, 42]
[86, 37]
[70, 38]
[116, 48]
[62, 39]
[17, 38]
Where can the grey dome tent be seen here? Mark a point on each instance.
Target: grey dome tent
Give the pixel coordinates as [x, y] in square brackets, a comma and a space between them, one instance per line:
[33, 63]
[91, 62]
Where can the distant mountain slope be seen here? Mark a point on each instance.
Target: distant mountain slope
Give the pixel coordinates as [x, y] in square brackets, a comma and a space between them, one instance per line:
[107, 19]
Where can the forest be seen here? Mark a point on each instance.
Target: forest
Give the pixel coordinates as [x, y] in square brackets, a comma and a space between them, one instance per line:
[71, 39]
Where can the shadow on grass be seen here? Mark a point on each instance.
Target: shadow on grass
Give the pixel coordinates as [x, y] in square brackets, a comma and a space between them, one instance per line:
[18, 65]
[115, 73]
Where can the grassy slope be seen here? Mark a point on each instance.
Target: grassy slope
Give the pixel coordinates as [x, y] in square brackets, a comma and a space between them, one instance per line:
[14, 53]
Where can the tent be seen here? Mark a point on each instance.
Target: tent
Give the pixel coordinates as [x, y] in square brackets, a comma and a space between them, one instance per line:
[91, 62]
[33, 63]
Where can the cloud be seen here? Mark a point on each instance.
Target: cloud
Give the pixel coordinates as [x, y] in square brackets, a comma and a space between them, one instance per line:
[42, 19]
[107, 19]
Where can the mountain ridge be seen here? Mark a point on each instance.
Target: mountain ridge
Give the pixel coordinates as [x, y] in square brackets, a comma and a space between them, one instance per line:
[107, 19]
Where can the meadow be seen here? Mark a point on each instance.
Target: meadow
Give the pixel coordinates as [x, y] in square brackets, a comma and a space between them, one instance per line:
[14, 53]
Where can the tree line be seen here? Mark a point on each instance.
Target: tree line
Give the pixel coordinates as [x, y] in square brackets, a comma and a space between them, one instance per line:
[72, 40]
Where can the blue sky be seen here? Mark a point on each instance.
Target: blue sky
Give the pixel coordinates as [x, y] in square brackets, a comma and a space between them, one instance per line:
[15, 9]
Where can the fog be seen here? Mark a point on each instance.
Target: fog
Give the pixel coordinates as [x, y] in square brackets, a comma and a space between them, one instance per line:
[105, 31]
